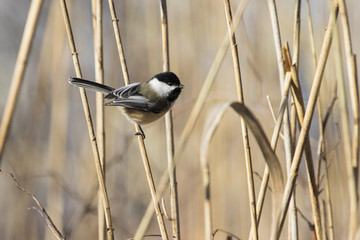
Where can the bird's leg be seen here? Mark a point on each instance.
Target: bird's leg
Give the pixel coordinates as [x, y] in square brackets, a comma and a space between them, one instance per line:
[141, 132]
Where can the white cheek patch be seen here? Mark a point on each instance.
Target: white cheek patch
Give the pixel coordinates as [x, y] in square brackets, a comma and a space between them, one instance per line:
[160, 88]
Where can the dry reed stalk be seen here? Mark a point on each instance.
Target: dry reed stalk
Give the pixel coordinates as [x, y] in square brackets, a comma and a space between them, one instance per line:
[244, 130]
[19, 69]
[322, 157]
[100, 175]
[286, 121]
[159, 214]
[269, 154]
[278, 51]
[312, 44]
[155, 200]
[300, 106]
[174, 203]
[352, 76]
[311, 34]
[296, 34]
[274, 139]
[354, 96]
[321, 140]
[328, 204]
[307, 121]
[119, 45]
[273, 143]
[345, 133]
[293, 220]
[97, 6]
[194, 115]
[288, 139]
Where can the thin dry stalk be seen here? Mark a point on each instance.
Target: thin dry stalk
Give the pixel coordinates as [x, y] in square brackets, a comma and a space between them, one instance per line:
[159, 214]
[174, 204]
[97, 6]
[312, 41]
[322, 157]
[306, 123]
[354, 96]
[281, 67]
[194, 115]
[119, 45]
[19, 69]
[328, 204]
[42, 210]
[296, 36]
[274, 139]
[268, 152]
[300, 106]
[278, 51]
[352, 186]
[352, 76]
[311, 34]
[100, 175]
[321, 142]
[155, 200]
[245, 135]
[293, 221]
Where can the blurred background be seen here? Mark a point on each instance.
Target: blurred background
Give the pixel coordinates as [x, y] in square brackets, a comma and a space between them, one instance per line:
[48, 148]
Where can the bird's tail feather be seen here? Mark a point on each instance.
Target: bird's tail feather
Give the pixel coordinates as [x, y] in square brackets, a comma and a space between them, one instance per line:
[91, 85]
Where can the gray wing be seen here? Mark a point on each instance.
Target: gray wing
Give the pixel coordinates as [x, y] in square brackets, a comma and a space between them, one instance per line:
[129, 97]
[127, 91]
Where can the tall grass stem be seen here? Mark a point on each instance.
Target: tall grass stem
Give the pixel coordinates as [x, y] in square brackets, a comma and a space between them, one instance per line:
[94, 146]
[245, 134]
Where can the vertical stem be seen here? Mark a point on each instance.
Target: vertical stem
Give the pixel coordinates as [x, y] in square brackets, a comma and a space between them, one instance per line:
[273, 143]
[119, 45]
[328, 204]
[278, 51]
[159, 214]
[351, 182]
[18, 74]
[106, 205]
[246, 144]
[194, 116]
[354, 96]
[293, 221]
[306, 123]
[97, 6]
[169, 127]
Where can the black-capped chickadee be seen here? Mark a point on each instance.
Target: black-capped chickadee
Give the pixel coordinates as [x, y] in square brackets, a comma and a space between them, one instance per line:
[141, 103]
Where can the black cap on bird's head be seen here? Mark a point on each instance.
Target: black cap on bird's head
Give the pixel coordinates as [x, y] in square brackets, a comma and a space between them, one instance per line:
[169, 78]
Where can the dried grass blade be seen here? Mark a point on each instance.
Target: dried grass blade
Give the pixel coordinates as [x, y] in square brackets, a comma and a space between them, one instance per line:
[260, 136]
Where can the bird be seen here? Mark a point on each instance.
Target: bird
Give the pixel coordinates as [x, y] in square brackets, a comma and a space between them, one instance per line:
[141, 103]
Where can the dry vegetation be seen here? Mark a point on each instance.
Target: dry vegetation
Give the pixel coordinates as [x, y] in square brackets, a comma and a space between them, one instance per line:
[288, 168]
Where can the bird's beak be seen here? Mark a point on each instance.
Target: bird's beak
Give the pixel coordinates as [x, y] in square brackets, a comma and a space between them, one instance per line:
[181, 86]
